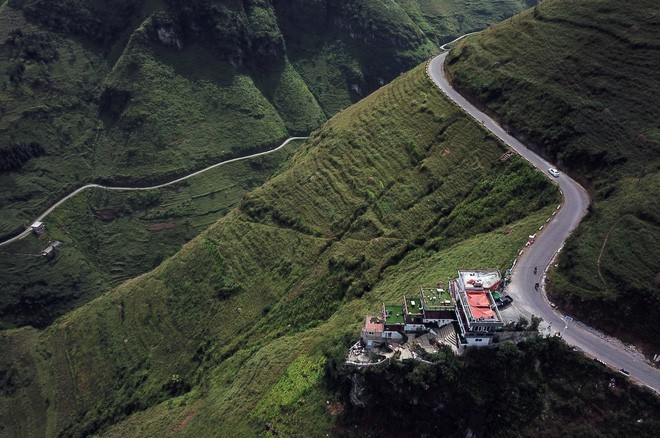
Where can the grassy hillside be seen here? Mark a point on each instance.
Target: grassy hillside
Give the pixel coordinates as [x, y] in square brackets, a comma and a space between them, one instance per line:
[141, 113]
[112, 236]
[444, 20]
[578, 81]
[230, 333]
[126, 91]
[156, 91]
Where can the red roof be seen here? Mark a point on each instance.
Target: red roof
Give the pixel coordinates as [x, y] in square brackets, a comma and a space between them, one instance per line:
[480, 305]
[373, 324]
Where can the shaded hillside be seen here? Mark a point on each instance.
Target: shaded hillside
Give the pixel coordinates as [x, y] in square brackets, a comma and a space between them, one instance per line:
[138, 92]
[229, 334]
[148, 107]
[109, 237]
[539, 387]
[443, 20]
[579, 80]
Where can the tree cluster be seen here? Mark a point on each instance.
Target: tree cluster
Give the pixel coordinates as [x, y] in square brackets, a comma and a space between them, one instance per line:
[13, 156]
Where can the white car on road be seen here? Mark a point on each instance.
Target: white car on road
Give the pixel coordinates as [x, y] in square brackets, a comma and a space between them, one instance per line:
[554, 172]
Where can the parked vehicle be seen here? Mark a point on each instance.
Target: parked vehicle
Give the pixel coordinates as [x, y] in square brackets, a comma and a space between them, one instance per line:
[503, 301]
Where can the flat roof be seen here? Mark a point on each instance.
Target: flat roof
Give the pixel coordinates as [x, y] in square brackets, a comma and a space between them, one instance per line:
[480, 305]
[436, 298]
[476, 304]
[374, 324]
[414, 305]
[479, 278]
[393, 314]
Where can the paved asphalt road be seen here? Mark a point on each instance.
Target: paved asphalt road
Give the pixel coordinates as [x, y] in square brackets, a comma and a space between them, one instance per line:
[72, 194]
[541, 254]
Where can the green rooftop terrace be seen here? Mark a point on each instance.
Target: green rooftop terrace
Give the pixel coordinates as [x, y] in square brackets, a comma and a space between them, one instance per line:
[394, 314]
[437, 299]
[414, 304]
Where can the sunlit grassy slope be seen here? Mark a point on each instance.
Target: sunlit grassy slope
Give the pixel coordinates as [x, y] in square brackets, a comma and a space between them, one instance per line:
[399, 190]
[579, 80]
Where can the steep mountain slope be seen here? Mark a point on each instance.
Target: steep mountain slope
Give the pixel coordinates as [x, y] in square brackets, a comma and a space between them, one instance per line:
[132, 93]
[578, 79]
[144, 109]
[230, 332]
[109, 237]
[140, 91]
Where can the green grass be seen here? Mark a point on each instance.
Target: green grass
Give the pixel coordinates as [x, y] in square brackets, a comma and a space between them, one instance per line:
[395, 314]
[577, 81]
[360, 215]
[442, 21]
[111, 236]
[113, 103]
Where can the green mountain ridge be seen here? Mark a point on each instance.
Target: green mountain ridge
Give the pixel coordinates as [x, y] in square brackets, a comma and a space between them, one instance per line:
[389, 194]
[244, 331]
[140, 92]
[577, 81]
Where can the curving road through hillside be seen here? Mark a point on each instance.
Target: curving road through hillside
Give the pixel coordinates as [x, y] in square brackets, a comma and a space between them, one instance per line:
[89, 186]
[542, 253]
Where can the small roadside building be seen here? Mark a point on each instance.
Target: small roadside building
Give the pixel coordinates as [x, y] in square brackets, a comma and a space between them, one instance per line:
[50, 250]
[394, 320]
[438, 306]
[38, 228]
[414, 311]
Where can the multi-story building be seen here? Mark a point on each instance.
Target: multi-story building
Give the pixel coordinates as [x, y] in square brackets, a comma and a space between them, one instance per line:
[469, 302]
[476, 312]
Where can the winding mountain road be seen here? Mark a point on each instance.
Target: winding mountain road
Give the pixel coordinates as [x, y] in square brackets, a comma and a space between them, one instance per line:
[183, 178]
[543, 252]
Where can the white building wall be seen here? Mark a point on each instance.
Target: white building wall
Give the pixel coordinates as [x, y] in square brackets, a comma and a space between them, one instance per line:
[477, 342]
[414, 327]
[388, 334]
[440, 322]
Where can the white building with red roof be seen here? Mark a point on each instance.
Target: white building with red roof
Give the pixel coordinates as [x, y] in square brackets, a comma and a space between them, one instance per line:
[476, 312]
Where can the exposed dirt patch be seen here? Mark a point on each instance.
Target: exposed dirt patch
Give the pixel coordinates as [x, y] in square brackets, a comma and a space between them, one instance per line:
[185, 421]
[335, 408]
[106, 214]
[160, 226]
